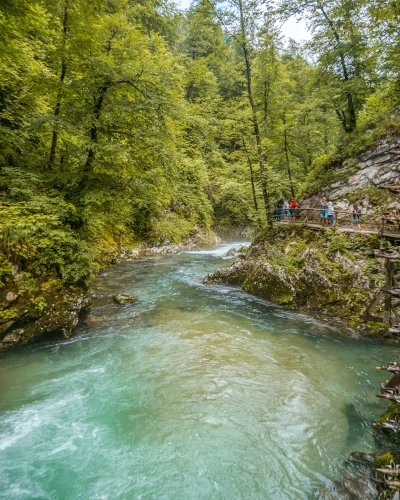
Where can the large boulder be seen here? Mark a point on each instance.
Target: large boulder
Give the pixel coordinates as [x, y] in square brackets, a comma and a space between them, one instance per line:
[309, 270]
[31, 315]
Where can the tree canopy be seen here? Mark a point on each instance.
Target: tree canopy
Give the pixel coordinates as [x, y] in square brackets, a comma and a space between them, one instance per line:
[123, 121]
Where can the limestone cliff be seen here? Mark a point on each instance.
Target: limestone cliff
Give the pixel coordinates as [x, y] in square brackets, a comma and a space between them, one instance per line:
[362, 178]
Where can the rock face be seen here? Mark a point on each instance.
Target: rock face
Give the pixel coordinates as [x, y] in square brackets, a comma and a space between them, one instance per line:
[200, 239]
[28, 317]
[304, 268]
[372, 169]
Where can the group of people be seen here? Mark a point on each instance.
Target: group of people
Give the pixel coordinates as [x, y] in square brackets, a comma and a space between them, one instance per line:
[327, 213]
[286, 210]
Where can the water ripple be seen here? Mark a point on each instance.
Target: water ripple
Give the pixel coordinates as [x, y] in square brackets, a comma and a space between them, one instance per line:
[195, 391]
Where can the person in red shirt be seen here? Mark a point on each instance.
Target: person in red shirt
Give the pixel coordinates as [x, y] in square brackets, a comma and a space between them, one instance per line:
[292, 208]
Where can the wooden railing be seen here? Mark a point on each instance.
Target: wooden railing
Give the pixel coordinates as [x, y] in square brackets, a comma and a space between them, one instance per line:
[384, 224]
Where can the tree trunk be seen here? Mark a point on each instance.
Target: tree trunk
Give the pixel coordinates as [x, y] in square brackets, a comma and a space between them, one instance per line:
[251, 177]
[98, 103]
[287, 156]
[254, 117]
[57, 109]
[350, 124]
[266, 99]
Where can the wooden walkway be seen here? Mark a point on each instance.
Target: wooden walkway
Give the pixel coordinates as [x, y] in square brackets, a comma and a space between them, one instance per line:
[384, 225]
[395, 236]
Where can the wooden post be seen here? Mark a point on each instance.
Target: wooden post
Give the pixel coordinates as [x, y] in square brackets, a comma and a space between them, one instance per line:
[381, 226]
[388, 297]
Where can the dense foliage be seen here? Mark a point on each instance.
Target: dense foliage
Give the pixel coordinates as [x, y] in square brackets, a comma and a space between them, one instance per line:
[123, 121]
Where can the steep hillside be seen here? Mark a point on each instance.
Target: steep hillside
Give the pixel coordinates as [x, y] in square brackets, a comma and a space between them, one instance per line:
[361, 179]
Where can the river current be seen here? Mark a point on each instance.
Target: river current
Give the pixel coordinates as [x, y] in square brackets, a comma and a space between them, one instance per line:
[194, 392]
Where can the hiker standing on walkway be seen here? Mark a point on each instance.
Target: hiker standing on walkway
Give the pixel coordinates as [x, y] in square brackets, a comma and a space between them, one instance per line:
[356, 216]
[324, 211]
[278, 210]
[331, 213]
[285, 209]
[292, 207]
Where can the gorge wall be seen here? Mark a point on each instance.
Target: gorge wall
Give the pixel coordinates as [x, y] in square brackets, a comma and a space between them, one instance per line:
[362, 179]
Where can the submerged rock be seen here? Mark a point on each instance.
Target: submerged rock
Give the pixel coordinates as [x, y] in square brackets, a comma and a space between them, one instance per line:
[356, 482]
[92, 320]
[125, 298]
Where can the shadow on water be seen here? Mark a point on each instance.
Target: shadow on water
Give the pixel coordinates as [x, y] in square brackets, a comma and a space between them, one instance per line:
[355, 425]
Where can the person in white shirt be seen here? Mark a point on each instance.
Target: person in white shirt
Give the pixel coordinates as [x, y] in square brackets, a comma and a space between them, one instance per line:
[331, 213]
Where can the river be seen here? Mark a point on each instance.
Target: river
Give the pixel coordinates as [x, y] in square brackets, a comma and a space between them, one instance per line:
[194, 392]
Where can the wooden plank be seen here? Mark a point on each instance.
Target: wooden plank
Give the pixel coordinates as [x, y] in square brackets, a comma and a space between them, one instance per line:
[374, 303]
[388, 297]
[395, 319]
[371, 317]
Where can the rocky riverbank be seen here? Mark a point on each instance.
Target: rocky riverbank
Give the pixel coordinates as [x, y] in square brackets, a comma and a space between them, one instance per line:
[34, 309]
[325, 272]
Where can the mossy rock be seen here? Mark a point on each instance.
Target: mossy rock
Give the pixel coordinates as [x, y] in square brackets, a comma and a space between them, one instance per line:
[42, 308]
[384, 460]
[125, 298]
[392, 412]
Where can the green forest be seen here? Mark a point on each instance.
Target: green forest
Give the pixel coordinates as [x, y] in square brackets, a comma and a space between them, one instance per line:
[126, 121]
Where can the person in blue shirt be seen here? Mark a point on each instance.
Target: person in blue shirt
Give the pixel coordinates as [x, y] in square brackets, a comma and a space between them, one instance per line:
[331, 213]
[356, 216]
[278, 210]
[286, 209]
[324, 211]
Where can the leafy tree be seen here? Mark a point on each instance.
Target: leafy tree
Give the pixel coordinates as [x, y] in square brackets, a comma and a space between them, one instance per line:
[340, 40]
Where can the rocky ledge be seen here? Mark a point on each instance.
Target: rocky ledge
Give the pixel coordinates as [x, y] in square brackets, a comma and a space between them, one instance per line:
[29, 314]
[307, 269]
[362, 178]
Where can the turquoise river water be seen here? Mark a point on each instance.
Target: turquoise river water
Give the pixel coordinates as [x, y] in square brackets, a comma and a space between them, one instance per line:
[194, 392]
